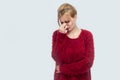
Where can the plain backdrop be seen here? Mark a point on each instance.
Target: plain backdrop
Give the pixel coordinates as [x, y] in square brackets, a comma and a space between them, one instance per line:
[26, 28]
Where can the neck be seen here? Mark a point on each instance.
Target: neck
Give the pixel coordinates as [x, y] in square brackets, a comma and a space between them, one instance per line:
[74, 30]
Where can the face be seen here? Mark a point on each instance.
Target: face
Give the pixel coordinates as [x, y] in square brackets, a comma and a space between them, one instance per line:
[68, 20]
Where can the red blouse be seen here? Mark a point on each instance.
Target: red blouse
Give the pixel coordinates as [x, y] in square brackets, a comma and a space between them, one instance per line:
[75, 56]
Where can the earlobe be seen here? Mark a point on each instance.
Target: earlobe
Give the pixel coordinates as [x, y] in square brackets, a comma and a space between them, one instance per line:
[75, 17]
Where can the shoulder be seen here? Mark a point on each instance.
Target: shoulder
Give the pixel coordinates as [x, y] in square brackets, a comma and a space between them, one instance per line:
[54, 33]
[87, 33]
[57, 33]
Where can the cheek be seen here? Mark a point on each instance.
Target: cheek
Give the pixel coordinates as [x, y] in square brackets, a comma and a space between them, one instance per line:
[70, 24]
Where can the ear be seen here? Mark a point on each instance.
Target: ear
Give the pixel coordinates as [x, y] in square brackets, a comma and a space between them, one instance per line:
[75, 17]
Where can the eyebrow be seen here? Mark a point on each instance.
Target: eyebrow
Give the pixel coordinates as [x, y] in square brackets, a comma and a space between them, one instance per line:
[65, 21]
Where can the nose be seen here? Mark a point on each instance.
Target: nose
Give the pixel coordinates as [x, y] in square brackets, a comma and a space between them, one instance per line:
[67, 24]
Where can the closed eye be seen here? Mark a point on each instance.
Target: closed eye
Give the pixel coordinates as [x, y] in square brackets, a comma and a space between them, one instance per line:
[62, 22]
[67, 21]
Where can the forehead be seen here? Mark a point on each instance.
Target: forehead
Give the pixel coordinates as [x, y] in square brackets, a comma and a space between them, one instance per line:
[65, 17]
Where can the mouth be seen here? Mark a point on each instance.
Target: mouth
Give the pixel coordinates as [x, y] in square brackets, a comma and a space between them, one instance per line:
[67, 30]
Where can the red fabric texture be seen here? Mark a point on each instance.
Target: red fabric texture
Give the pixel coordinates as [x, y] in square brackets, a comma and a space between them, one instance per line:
[75, 56]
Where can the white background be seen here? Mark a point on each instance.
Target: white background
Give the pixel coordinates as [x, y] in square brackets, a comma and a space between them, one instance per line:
[26, 28]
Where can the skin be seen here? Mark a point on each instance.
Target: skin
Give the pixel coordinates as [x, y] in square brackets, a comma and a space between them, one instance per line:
[68, 26]
[67, 23]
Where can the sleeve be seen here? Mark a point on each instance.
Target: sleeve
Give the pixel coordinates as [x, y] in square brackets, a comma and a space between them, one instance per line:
[54, 38]
[83, 65]
[57, 39]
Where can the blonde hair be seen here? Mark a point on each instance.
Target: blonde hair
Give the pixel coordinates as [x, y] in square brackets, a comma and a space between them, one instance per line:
[66, 8]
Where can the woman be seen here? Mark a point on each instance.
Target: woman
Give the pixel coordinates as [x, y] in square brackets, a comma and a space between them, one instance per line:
[72, 47]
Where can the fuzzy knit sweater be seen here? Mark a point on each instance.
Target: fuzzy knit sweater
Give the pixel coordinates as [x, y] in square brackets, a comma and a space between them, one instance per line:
[75, 56]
